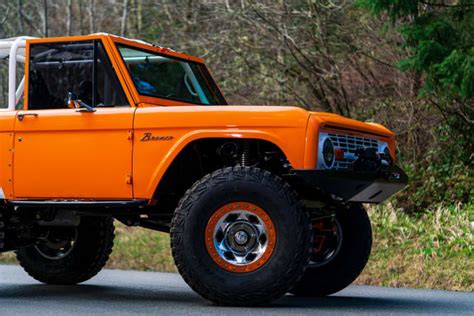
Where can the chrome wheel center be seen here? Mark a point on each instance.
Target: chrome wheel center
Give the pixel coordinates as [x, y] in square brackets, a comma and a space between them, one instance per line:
[241, 237]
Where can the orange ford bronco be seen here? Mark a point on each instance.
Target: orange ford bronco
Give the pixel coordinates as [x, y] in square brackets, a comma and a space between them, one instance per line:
[259, 200]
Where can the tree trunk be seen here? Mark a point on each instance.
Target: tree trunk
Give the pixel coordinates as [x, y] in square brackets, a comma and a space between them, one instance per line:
[69, 17]
[123, 27]
[138, 12]
[81, 17]
[45, 18]
[20, 17]
[91, 16]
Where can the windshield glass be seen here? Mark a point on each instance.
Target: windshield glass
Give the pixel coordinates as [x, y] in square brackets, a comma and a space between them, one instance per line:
[170, 78]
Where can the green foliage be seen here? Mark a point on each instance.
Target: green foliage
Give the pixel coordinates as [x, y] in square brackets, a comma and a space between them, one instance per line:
[444, 232]
[445, 175]
[394, 8]
[455, 75]
[440, 39]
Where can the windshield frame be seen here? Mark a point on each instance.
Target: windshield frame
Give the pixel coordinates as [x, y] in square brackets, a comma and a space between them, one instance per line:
[162, 100]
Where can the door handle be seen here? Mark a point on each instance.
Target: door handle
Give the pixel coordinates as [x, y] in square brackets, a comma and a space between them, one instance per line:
[22, 115]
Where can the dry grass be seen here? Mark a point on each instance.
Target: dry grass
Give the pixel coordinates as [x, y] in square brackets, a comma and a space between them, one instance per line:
[431, 250]
[141, 249]
[7, 258]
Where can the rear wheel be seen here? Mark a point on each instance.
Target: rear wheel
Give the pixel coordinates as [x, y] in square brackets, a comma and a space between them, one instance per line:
[70, 255]
[341, 249]
[240, 236]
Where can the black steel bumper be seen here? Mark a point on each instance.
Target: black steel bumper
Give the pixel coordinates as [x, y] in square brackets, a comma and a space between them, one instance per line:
[354, 186]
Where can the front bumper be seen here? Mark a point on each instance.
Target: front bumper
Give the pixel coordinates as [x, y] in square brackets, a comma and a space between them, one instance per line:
[353, 186]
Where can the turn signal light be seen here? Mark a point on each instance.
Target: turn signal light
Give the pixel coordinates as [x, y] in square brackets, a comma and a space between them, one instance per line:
[339, 154]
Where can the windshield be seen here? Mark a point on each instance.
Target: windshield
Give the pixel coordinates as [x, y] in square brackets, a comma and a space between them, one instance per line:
[170, 78]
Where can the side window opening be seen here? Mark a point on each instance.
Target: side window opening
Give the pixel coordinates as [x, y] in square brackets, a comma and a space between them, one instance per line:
[83, 68]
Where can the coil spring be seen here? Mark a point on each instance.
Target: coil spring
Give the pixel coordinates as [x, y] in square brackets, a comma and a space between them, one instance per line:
[244, 159]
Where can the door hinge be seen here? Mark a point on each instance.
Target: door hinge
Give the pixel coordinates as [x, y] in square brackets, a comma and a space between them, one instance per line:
[130, 134]
[129, 179]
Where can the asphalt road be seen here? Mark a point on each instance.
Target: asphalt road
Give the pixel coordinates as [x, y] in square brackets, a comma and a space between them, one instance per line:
[130, 292]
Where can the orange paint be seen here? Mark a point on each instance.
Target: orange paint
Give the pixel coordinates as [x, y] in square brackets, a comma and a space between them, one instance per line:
[68, 154]
[64, 154]
[7, 126]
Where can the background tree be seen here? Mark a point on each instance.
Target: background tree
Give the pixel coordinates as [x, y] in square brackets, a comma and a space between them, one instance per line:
[409, 66]
[439, 36]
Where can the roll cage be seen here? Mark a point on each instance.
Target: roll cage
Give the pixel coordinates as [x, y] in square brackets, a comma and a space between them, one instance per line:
[14, 49]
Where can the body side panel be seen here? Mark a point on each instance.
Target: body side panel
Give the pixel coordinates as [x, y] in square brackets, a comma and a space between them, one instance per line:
[7, 125]
[284, 127]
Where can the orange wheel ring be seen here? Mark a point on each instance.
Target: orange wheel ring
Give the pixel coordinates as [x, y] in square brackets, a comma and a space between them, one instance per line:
[240, 237]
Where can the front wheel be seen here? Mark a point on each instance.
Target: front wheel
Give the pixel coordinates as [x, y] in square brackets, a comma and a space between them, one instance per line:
[70, 255]
[240, 236]
[341, 249]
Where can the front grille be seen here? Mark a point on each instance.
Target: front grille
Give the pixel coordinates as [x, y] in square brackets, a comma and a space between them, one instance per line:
[350, 144]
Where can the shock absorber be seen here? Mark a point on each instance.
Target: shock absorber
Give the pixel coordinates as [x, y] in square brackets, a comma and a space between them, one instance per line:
[244, 159]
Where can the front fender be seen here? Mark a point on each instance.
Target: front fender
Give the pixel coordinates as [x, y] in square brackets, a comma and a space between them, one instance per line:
[144, 188]
[171, 129]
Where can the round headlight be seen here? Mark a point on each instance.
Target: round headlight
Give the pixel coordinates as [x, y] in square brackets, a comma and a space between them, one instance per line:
[328, 153]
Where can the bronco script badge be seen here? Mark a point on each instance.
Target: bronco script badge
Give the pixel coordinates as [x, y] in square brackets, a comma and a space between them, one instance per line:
[149, 136]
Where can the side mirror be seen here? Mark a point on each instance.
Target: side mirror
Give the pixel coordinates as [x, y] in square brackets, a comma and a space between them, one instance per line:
[74, 103]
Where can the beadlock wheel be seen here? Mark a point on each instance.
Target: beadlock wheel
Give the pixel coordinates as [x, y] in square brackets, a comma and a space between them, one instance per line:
[240, 237]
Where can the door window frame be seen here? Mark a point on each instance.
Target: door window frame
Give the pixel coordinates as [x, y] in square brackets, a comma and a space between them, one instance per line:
[70, 39]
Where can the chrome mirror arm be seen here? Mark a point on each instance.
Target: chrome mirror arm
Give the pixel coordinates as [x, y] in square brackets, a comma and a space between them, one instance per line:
[84, 107]
[74, 102]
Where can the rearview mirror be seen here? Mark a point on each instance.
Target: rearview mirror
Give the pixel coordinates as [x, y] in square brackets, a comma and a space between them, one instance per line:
[73, 102]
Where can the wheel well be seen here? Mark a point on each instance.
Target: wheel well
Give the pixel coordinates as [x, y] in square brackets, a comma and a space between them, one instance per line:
[204, 156]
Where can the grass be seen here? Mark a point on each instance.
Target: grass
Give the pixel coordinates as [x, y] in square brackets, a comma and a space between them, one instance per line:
[430, 250]
[141, 249]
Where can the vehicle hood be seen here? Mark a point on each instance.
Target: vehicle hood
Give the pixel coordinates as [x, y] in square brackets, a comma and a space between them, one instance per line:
[233, 116]
[339, 121]
[240, 116]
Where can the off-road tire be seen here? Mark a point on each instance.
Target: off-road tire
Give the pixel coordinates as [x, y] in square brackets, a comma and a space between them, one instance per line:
[91, 251]
[276, 276]
[347, 264]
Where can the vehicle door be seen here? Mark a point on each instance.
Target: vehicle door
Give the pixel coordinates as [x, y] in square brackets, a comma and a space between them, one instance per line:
[64, 152]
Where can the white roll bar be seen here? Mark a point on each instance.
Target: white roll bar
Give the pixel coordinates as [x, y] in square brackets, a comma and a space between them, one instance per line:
[14, 93]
